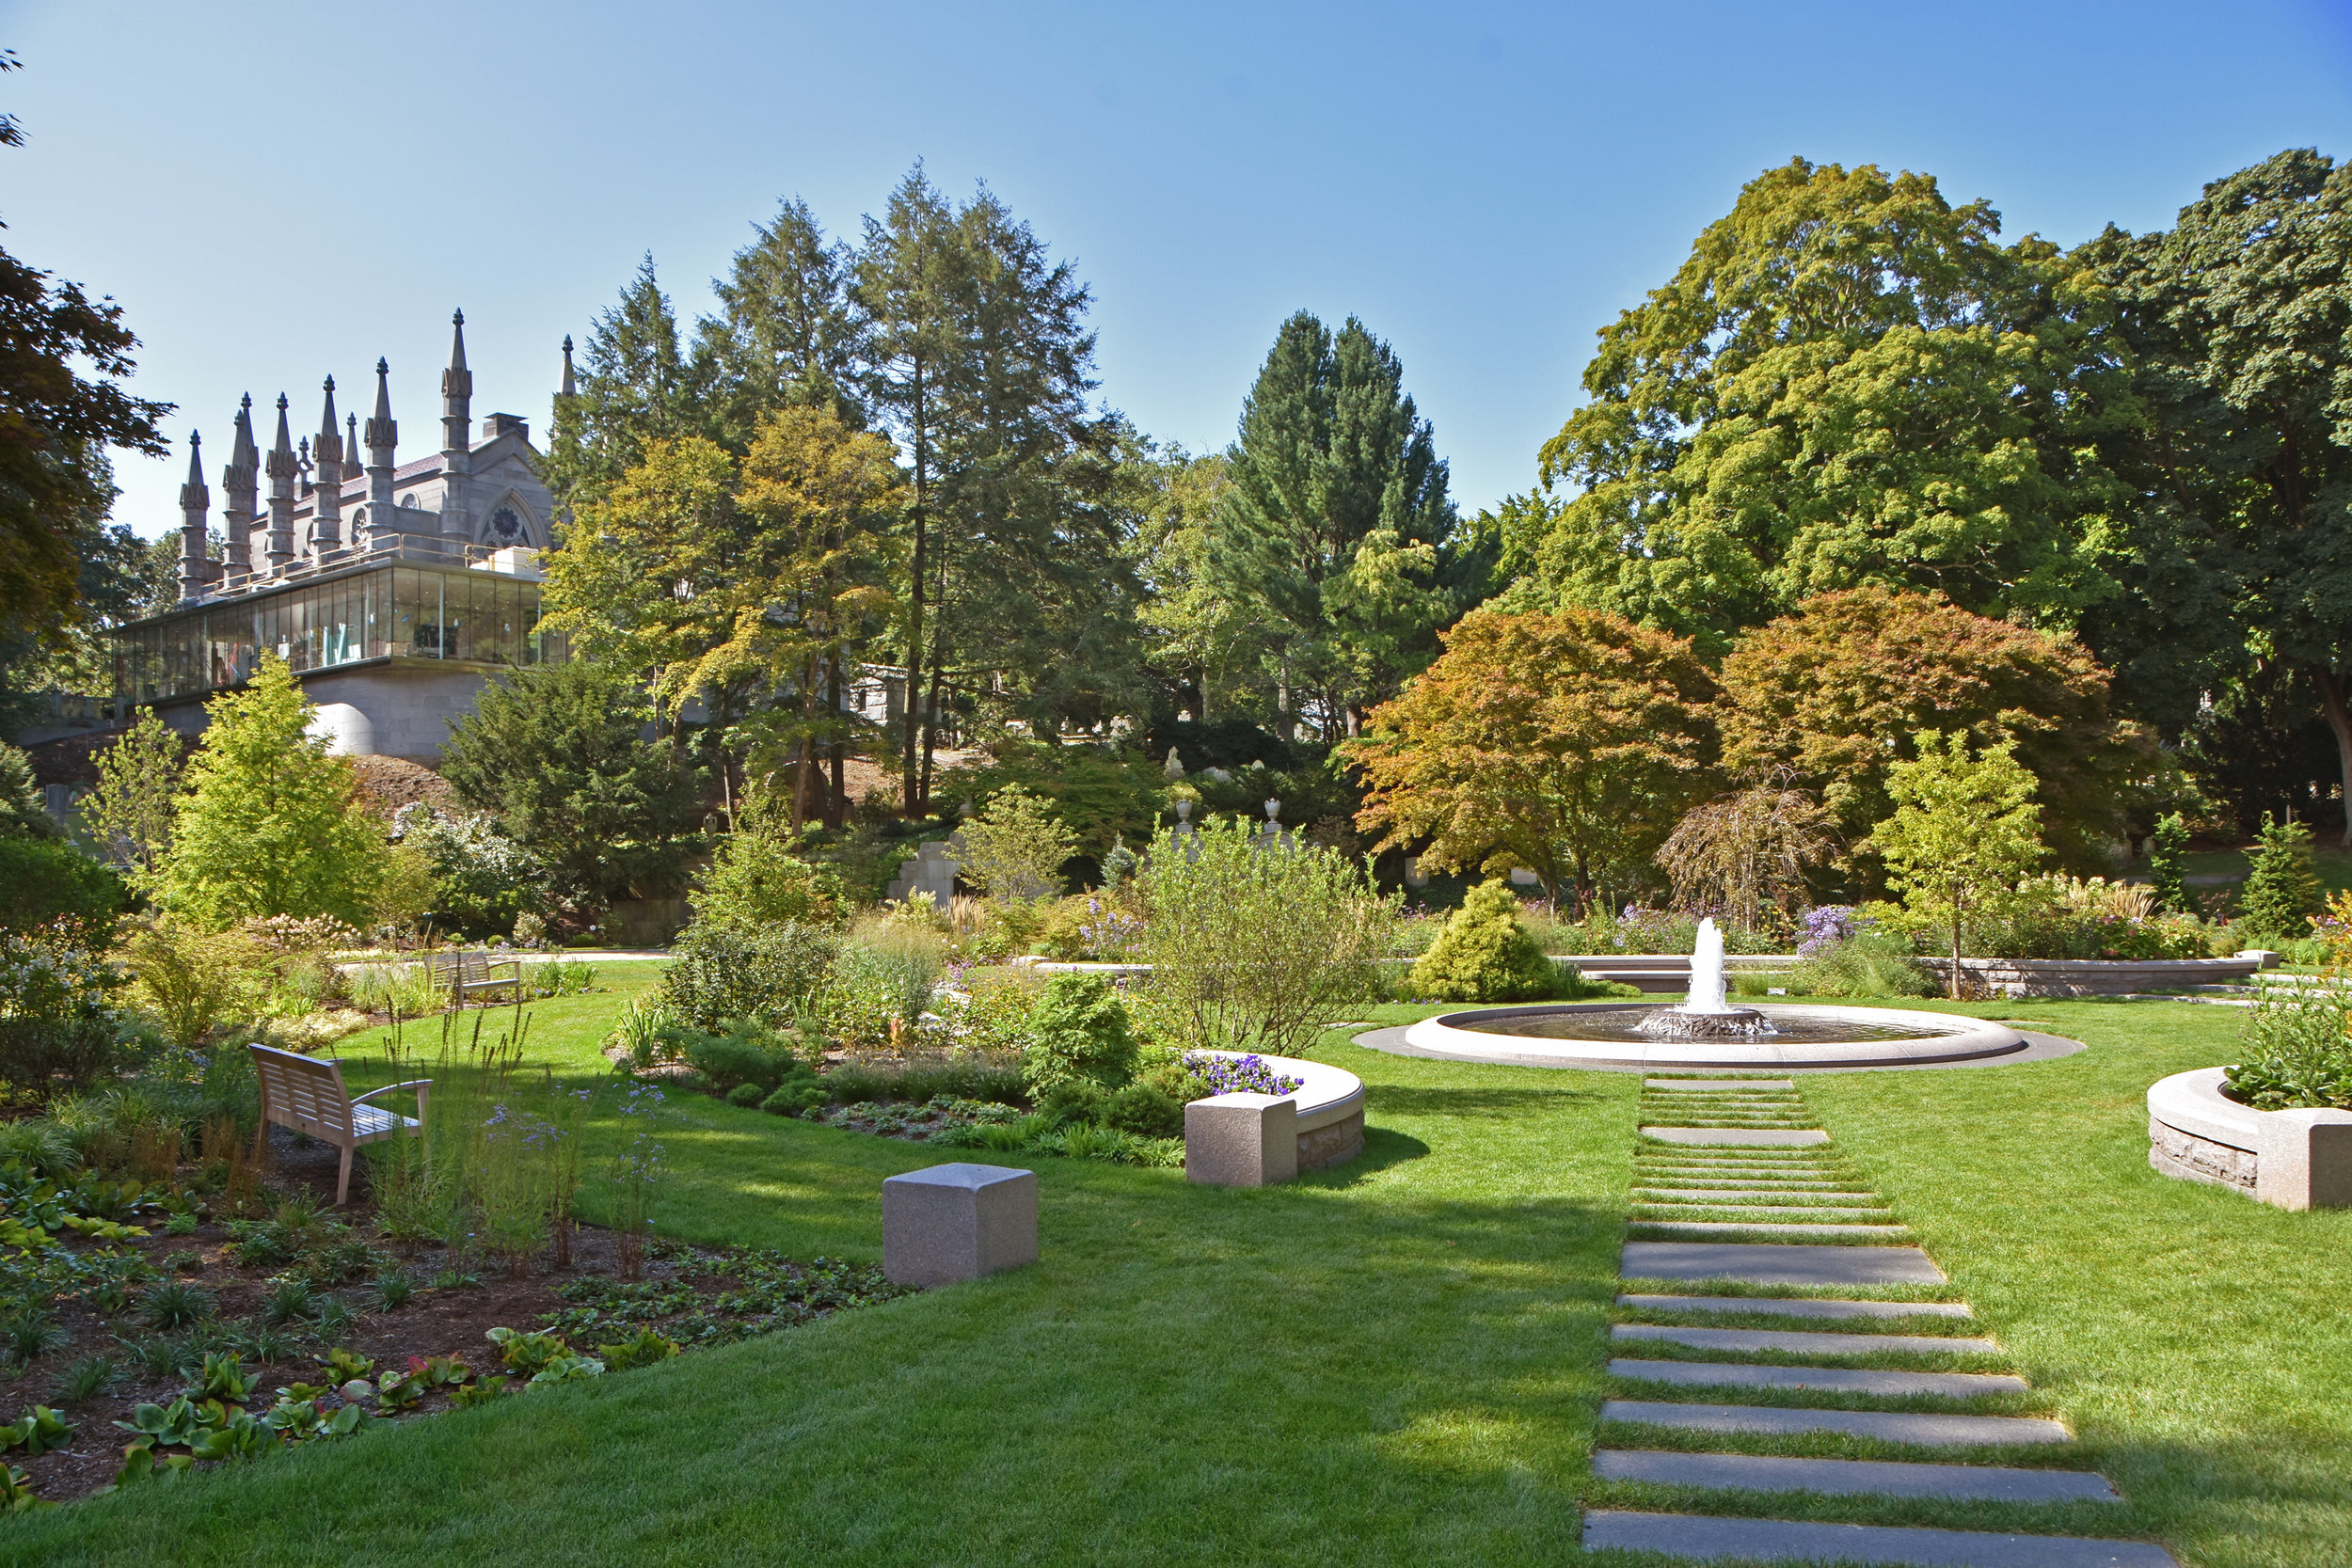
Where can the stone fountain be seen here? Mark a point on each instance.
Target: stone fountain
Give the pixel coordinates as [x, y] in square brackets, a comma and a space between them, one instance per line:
[1705, 1015]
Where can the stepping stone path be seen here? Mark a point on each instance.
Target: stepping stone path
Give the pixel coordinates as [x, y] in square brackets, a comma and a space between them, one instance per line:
[1744, 1160]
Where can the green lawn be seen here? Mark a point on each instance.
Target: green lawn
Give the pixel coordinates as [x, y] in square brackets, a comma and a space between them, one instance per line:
[1398, 1361]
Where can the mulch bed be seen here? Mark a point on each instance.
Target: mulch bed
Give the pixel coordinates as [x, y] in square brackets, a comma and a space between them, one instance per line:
[696, 1295]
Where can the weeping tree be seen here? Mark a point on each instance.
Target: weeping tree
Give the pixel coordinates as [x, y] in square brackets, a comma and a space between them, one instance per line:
[1748, 852]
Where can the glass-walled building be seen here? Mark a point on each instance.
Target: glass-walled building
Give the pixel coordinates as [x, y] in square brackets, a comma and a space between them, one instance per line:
[378, 613]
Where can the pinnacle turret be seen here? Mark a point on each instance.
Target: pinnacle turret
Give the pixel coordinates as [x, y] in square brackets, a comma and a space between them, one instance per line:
[282, 468]
[570, 385]
[241, 478]
[456, 437]
[327, 496]
[382, 437]
[196, 570]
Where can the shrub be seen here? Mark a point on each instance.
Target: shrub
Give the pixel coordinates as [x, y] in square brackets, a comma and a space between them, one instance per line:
[1015, 847]
[883, 978]
[1145, 1110]
[769, 976]
[57, 1017]
[1075, 1102]
[2298, 1051]
[482, 881]
[2281, 890]
[755, 881]
[1252, 943]
[1485, 955]
[2166, 846]
[1864, 962]
[1079, 1030]
[988, 1010]
[193, 979]
[46, 879]
[743, 1053]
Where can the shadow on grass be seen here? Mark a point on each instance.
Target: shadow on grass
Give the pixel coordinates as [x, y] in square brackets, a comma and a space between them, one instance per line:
[1485, 1103]
[1383, 1148]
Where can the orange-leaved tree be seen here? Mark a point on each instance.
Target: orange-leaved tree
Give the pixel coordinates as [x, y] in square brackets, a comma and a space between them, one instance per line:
[1565, 743]
[1832, 695]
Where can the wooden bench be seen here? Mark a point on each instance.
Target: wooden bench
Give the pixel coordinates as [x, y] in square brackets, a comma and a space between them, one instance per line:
[308, 1095]
[463, 973]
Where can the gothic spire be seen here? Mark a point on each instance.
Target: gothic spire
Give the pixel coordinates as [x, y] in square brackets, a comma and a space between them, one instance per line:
[281, 469]
[382, 435]
[327, 498]
[241, 478]
[456, 436]
[351, 446]
[570, 388]
[194, 502]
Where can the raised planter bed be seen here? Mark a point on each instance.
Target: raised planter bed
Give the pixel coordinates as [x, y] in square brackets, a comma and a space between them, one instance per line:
[1330, 1109]
[2291, 1158]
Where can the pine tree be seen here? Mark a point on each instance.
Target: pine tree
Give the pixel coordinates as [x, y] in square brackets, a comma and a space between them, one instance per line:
[1485, 955]
[2165, 848]
[2282, 890]
[786, 335]
[1338, 521]
[269, 825]
[633, 388]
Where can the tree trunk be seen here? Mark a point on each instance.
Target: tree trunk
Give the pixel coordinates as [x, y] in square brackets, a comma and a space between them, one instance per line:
[837, 800]
[804, 771]
[2334, 689]
[910, 785]
[1955, 949]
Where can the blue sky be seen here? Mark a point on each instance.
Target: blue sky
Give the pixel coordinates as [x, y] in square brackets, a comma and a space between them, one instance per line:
[277, 192]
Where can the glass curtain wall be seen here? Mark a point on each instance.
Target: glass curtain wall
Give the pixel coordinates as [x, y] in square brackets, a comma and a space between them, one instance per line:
[390, 613]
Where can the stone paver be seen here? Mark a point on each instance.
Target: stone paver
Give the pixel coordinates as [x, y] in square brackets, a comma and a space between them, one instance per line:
[1892, 1426]
[1799, 1341]
[1779, 1540]
[1719, 1194]
[1799, 1306]
[1734, 1228]
[1733, 1083]
[1760, 1137]
[1756, 1472]
[1777, 1263]
[1703, 1200]
[1836, 1380]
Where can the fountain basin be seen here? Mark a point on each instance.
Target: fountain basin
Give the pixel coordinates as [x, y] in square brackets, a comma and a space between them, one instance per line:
[1608, 1034]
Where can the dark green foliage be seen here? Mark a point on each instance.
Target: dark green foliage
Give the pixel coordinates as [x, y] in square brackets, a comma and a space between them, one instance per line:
[554, 753]
[21, 812]
[1078, 1029]
[769, 977]
[1074, 1100]
[88, 1378]
[800, 1089]
[1146, 1110]
[175, 1304]
[2164, 849]
[44, 879]
[851, 1084]
[2299, 1052]
[1485, 955]
[747, 1094]
[2283, 891]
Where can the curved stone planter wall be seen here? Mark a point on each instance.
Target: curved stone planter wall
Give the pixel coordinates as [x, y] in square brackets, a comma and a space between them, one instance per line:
[1330, 1109]
[1956, 1039]
[2292, 1159]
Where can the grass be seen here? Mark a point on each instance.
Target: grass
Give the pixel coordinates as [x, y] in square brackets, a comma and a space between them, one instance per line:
[1397, 1360]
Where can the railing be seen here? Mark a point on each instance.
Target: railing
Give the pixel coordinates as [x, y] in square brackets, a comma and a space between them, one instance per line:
[381, 550]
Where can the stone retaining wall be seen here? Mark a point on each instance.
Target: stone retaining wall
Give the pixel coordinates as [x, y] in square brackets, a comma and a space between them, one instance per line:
[2173, 1152]
[1336, 1143]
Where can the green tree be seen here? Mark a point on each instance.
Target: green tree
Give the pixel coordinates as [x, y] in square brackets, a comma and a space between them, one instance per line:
[786, 335]
[269, 824]
[1567, 744]
[633, 388]
[23, 815]
[132, 809]
[2235, 321]
[1209, 651]
[2166, 846]
[556, 754]
[1850, 381]
[1332, 530]
[1014, 849]
[1964, 826]
[1485, 955]
[2283, 891]
[1749, 851]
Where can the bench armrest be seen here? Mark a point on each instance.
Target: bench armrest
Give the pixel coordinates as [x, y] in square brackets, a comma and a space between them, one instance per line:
[420, 1085]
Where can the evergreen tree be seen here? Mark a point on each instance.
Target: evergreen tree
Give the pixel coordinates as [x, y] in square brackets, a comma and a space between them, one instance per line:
[1333, 529]
[2164, 849]
[908, 280]
[787, 334]
[554, 753]
[21, 812]
[633, 388]
[1485, 955]
[2282, 890]
[270, 824]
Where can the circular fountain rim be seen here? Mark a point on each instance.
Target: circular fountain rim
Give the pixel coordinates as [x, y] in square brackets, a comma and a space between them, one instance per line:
[1943, 1037]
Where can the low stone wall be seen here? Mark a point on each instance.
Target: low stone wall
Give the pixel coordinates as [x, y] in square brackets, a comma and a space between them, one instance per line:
[2289, 1159]
[2090, 977]
[1333, 1145]
[1330, 1101]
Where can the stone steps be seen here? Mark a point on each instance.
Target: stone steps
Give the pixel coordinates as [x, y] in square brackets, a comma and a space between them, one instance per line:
[1795, 1196]
[1778, 1540]
[1800, 1341]
[1799, 1306]
[1756, 1472]
[1835, 1380]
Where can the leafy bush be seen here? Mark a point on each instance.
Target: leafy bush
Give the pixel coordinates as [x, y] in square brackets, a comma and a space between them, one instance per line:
[57, 1014]
[1867, 962]
[46, 879]
[1485, 955]
[969, 1079]
[2298, 1051]
[755, 881]
[1079, 1031]
[482, 881]
[883, 977]
[1145, 1110]
[2166, 846]
[2283, 891]
[988, 1010]
[770, 976]
[1252, 943]
[193, 979]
